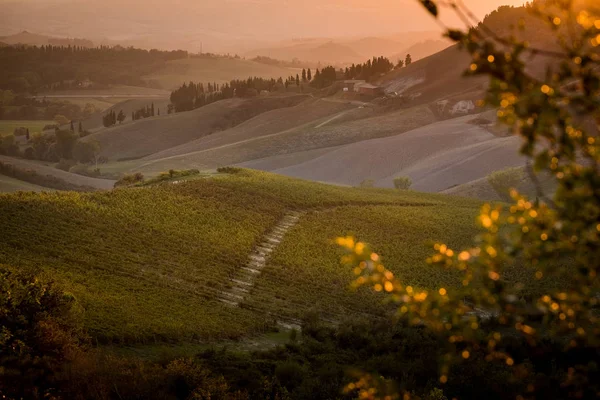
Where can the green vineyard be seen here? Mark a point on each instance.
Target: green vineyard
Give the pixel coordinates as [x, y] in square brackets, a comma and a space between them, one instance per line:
[150, 264]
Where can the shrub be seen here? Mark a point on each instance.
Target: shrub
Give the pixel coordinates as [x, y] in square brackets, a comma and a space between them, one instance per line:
[29, 153]
[229, 170]
[130, 179]
[171, 174]
[505, 180]
[367, 183]
[61, 120]
[402, 183]
[21, 131]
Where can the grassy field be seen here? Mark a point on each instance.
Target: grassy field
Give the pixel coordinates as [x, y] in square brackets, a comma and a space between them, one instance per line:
[9, 184]
[100, 103]
[147, 264]
[8, 127]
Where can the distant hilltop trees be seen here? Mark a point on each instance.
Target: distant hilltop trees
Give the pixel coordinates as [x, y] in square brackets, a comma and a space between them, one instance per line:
[370, 70]
[194, 95]
[28, 69]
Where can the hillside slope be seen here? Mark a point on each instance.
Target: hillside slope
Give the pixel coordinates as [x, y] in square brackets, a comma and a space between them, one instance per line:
[267, 123]
[9, 185]
[436, 157]
[42, 169]
[353, 125]
[94, 122]
[154, 264]
[151, 135]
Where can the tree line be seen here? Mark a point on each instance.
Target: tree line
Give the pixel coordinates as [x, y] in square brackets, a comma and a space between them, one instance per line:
[370, 69]
[194, 95]
[111, 118]
[29, 69]
[144, 112]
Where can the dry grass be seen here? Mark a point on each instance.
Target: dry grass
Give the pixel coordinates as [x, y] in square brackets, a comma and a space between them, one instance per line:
[151, 135]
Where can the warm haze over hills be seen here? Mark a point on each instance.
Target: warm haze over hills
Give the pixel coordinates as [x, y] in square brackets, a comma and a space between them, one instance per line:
[220, 26]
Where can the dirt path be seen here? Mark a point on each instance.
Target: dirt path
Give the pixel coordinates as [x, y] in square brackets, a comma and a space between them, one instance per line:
[243, 281]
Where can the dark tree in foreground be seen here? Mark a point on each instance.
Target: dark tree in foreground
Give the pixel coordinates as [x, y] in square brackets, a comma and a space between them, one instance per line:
[39, 335]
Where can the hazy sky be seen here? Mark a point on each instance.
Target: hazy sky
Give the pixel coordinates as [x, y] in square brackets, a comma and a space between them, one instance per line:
[222, 22]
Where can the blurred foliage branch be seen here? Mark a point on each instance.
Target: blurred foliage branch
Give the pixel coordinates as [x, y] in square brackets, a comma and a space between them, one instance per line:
[555, 243]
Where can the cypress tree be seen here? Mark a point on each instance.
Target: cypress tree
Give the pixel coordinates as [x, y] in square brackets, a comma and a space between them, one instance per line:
[303, 75]
[309, 75]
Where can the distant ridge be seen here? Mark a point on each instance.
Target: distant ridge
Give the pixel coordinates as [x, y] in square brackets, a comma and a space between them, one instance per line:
[34, 39]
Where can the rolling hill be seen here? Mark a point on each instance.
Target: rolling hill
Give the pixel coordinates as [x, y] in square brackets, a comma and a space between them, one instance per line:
[121, 253]
[212, 69]
[340, 50]
[348, 126]
[151, 135]
[435, 157]
[312, 51]
[94, 122]
[33, 39]
[9, 184]
[69, 178]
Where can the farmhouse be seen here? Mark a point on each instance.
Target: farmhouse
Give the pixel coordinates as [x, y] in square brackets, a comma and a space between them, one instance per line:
[368, 89]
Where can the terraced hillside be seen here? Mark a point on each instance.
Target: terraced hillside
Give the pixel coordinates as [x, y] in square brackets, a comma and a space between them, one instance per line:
[154, 263]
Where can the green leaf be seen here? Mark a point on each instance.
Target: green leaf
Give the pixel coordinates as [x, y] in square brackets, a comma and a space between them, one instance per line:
[430, 6]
